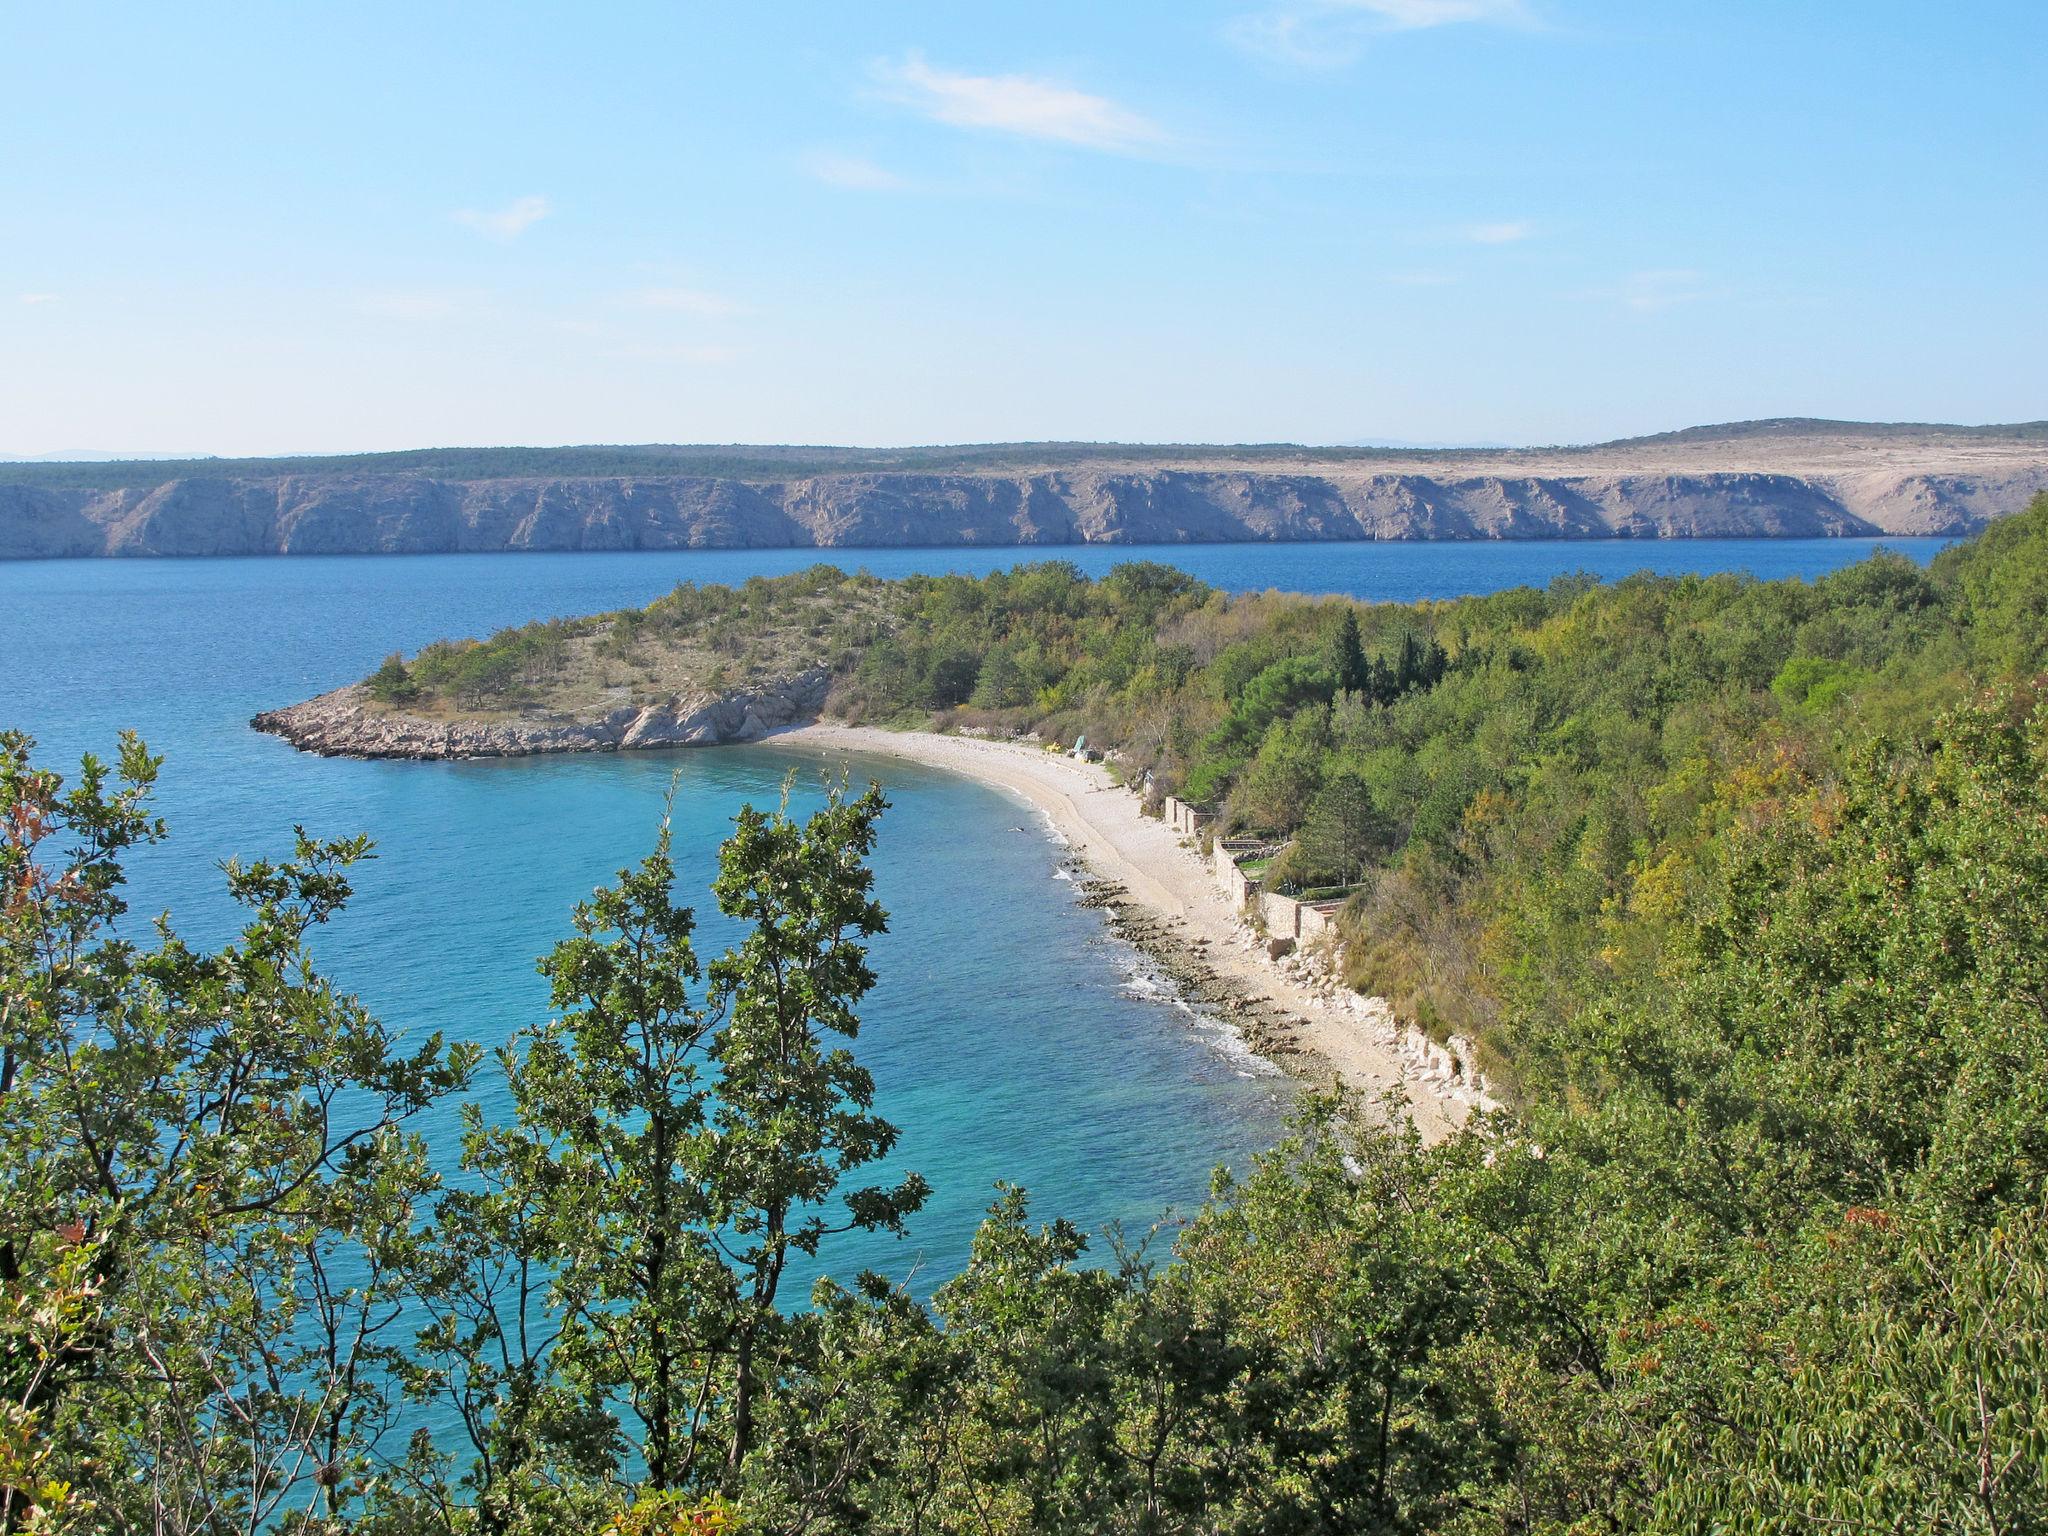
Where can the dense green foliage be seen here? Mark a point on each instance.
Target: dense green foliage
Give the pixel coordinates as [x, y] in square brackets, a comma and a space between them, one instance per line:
[1761, 1249]
[1512, 784]
[475, 674]
[195, 1150]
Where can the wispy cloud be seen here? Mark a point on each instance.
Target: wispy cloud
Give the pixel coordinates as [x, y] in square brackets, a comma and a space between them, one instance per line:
[1505, 232]
[854, 173]
[1025, 106]
[508, 222]
[1326, 33]
[1406, 15]
[1663, 288]
[684, 301]
[36, 298]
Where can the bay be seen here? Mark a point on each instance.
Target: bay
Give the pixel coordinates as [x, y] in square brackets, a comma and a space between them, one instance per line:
[1010, 1037]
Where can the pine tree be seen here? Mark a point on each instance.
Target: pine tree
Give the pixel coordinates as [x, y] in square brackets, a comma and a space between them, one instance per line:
[1408, 668]
[1347, 656]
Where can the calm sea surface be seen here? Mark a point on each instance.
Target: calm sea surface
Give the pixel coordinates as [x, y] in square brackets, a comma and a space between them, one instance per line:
[1010, 1038]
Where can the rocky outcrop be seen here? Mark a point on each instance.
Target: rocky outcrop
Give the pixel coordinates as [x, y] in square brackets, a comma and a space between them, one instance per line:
[344, 513]
[348, 723]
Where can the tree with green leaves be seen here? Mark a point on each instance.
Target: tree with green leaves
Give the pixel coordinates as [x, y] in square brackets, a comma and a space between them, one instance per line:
[794, 1113]
[392, 682]
[208, 1189]
[1001, 683]
[677, 1137]
[1409, 663]
[1342, 836]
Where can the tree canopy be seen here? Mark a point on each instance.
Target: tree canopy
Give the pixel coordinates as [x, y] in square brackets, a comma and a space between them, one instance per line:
[1745, 879]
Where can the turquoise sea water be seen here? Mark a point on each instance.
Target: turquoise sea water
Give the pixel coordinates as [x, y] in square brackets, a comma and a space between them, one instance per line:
[1009, 1037]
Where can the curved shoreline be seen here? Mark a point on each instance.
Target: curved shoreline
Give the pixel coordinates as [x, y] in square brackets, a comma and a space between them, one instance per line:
[1159, 894]
[1162, 897]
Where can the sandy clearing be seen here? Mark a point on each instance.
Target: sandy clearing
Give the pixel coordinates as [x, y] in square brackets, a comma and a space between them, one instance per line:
[1356, 1038]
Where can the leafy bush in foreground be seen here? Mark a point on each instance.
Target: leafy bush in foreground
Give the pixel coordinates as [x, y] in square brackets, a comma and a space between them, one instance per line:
[1764, 1252]
[1761, 1249]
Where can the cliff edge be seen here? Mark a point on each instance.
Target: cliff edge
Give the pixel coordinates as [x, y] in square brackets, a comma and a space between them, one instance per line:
[1803, 482]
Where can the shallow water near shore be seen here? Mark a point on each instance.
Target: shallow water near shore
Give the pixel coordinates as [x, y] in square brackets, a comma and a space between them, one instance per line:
[1010, 1036]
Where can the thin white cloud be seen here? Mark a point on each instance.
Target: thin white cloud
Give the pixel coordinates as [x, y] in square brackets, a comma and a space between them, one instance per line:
[36, 298]
[1025, 106]
[1663, 288]
[853, 173]
[1505, 232]
[684, 301]
[508, 222]
[1327, 33]
[1407, 15]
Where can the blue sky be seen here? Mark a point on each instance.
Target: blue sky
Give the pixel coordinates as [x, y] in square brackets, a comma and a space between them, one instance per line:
[295, 227]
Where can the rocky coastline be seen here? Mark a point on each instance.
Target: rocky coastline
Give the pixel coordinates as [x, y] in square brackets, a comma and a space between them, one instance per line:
[1290, 1011]
[348, 722]
[1268, 1030]
[1160, 895]
[1448, 1073]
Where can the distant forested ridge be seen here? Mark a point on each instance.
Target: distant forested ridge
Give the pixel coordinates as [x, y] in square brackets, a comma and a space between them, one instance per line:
[1785, 478]
[1741, 882]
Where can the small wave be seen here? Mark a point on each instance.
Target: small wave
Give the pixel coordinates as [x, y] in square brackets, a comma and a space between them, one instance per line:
[1231, 1045]
[1142, 981]
[1052, 830]
[1145, 982]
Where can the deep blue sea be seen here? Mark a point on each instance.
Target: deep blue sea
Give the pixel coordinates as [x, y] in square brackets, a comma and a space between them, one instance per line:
[1010, 1038]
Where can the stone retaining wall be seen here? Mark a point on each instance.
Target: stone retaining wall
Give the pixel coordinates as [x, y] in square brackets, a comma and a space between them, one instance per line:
[1287, 918]
[1238, 887]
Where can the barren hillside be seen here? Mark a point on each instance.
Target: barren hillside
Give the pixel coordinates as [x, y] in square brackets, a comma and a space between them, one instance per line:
[1771, 479]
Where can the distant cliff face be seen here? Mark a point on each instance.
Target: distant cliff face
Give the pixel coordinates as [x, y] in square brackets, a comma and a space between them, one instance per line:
[407, 514]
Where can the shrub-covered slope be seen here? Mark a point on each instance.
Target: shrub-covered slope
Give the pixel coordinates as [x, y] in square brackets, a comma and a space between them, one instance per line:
[1518, 787]
[1749, 879]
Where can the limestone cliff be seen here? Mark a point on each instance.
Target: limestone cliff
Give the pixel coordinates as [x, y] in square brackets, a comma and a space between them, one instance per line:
[1790, 478]
[404, 514]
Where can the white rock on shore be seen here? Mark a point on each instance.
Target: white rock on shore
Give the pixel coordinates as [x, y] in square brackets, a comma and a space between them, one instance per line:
[347, 723]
